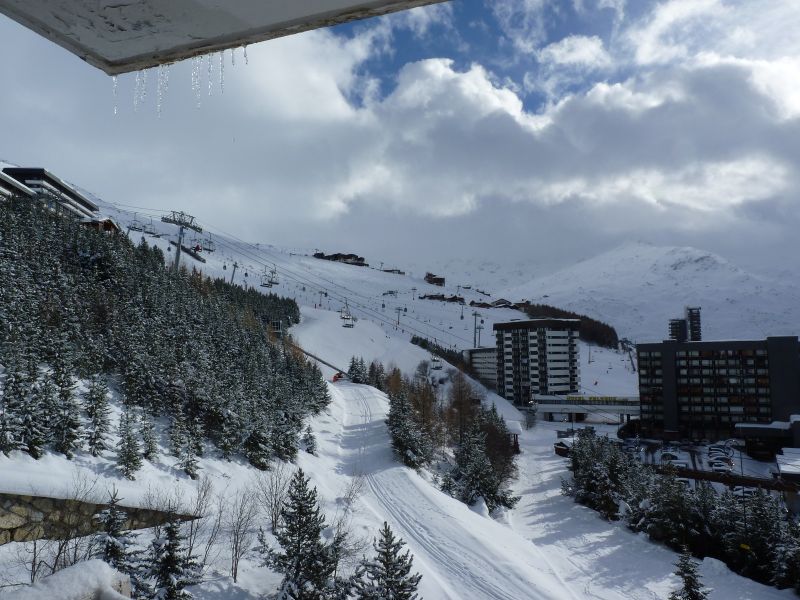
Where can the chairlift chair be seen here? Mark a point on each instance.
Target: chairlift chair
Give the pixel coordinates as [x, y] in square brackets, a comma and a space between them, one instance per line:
[136, 225]
[273, 276]
[436, 364]
[208, 245]
[347, 321]
[150, 229]
[265, 280]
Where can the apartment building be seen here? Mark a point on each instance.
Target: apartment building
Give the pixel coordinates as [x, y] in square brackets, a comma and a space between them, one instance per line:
[702, 390]
[538, 356]
[58, 194]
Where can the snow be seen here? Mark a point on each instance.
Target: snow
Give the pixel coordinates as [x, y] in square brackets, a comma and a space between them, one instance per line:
[637, 288]
[546, 547]
[73, 583]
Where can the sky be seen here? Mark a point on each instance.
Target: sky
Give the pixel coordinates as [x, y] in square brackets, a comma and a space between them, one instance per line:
[535, 131]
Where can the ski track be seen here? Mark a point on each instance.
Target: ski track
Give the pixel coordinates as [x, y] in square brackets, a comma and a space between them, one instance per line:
[440, 541]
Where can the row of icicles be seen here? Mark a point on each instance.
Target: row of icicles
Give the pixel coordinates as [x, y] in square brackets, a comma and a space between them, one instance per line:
[141, 83]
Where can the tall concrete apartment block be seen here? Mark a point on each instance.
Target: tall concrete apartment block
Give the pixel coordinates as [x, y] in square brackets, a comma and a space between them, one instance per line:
[701, 390]
[539, 356]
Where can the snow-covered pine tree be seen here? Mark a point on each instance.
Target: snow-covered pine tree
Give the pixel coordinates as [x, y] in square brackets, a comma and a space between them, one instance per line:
[353, 371]
[129, 458]
[388, 575]
[116, 546]
[170, 568]
[147, 430]
[67, 429]
[306, 562]
[13, 400]
[691, 588]
[33, 425]
[257, 447]
[408, 441]
[473, 477]
[98, 411]
[309, 441]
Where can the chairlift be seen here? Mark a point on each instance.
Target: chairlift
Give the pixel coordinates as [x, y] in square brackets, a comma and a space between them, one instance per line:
[224, 267]
[347, 321]
[136, 224]
[150, 229]
[265, 279]
[207, 244]
[273, 276]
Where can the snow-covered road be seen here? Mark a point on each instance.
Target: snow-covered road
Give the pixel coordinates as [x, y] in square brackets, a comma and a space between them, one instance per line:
[460, 553]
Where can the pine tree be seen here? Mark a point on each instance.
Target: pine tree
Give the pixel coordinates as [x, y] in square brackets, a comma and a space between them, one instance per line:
[128, 458]
[97, 409]
[309, 441]
[147, 430]
[388, 576]
[13, 400]
[115, 546]
[473, 477]
[67, 428]
[33, 426]
[306, 562]
[170, 567]
[691, 589]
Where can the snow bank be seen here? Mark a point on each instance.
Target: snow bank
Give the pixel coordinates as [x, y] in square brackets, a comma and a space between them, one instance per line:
[88, 580]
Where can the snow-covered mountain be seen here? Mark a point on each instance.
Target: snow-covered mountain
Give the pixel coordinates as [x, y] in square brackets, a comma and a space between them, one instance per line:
[638, 287]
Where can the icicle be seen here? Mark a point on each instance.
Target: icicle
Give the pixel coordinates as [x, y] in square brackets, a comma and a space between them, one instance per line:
[245, 55]
[196, 63]
[222, 72]
[144, 86]
[137, 91]
[114, 91]
[210, 76]
[162, 84]
[233, 57]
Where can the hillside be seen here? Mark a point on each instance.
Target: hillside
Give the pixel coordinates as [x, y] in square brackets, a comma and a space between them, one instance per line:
[638, 287]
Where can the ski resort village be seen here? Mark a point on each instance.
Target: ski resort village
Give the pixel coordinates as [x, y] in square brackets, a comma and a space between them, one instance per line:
[399, 300]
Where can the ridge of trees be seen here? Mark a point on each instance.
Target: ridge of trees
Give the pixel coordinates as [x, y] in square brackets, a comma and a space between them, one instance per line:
[79, 304]
[590, 330]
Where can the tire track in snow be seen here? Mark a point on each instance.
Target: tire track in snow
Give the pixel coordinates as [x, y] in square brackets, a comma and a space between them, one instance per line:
[465, 563]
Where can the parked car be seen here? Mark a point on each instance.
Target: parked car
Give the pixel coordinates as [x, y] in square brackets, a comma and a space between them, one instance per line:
[720, 468]
[668, 457]
[744, 492]
[678, 464]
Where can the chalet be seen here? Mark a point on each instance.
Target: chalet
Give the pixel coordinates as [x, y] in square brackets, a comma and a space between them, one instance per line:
[58, 194]
[434, 279]
[11, 187]
[502, 303]
[105, 224]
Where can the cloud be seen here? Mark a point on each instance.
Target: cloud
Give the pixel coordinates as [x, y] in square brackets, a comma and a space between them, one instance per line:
[576, 50]
[678, 131]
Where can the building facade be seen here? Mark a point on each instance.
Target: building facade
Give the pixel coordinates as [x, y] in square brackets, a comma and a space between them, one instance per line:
[11, 187]
[538, 356]
[702, 390]
[484, 363]
[56, 193]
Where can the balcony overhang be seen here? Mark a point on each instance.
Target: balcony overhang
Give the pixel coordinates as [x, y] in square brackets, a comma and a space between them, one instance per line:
[119, 36]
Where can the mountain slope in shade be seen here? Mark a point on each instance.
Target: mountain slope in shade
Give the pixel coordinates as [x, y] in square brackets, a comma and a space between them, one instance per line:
[637, 288]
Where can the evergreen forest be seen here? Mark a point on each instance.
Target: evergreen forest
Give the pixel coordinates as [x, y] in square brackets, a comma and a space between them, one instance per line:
[78, 304]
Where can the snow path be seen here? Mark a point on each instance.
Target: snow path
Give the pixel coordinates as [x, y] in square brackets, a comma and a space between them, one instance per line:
[460, 553]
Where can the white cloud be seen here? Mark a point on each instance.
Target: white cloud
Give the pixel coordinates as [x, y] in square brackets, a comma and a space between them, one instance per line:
[667, 32]
[578, 50]
[706, 187]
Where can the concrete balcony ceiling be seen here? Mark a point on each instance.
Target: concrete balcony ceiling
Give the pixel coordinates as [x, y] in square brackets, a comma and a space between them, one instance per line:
[119, 36]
